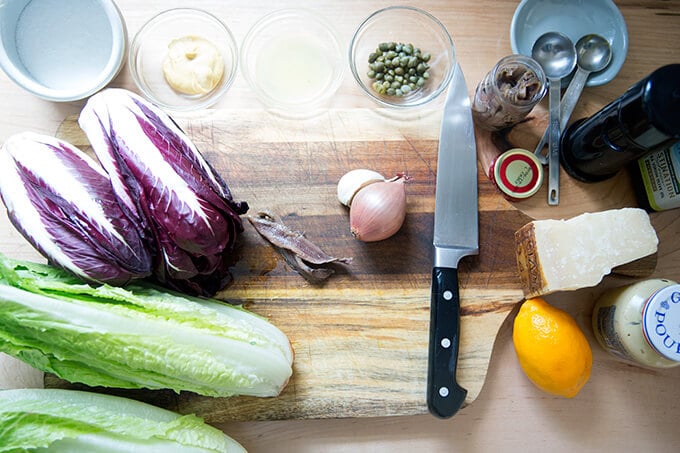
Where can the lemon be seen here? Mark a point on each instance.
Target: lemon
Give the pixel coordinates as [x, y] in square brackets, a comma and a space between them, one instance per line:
[552, 349]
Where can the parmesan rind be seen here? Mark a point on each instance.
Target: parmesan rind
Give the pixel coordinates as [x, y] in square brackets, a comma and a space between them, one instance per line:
[561, 255]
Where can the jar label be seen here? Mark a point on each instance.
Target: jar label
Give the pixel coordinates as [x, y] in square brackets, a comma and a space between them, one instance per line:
[608, 334]
[661, 321]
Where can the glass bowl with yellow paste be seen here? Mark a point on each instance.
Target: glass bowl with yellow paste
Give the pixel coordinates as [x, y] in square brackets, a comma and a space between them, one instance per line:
[183, 59]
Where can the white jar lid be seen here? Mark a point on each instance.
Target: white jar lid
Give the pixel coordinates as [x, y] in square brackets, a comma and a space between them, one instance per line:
[661, 321]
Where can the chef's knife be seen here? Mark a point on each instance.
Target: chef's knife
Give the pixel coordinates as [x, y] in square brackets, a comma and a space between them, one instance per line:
[455, 236]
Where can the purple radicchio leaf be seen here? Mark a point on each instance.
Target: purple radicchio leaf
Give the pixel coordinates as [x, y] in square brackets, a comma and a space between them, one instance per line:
[62, 202]
[185, 208]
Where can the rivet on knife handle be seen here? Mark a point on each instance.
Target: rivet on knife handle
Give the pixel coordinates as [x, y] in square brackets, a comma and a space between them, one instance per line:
[444, 395]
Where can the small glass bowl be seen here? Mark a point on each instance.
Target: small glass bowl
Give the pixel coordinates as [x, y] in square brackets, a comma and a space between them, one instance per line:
[150, 46]
[292, 60]
[407, 25]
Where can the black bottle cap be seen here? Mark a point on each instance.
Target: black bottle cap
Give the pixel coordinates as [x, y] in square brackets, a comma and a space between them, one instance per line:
[661, 100]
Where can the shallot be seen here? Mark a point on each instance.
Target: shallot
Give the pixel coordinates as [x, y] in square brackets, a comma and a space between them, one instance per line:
[378, 210]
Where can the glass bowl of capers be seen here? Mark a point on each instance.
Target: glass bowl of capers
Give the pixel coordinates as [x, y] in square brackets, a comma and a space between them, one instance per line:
[402, 56]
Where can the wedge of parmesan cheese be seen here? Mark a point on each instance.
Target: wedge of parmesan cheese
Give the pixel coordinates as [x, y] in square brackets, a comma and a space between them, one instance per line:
[561, 255]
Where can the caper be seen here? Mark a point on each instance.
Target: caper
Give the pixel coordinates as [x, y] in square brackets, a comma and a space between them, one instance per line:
[398, 68]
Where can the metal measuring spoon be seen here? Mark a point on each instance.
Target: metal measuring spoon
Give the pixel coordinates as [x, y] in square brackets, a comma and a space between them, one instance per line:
[593, 54]
[557, 56]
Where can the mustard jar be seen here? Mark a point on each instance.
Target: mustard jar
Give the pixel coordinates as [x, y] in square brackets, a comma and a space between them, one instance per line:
[640, 323]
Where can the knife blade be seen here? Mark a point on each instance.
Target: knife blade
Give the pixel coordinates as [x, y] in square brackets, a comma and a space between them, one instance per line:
[455, 236]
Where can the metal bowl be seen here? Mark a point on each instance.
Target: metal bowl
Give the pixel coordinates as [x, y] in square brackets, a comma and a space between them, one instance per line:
[63, 52]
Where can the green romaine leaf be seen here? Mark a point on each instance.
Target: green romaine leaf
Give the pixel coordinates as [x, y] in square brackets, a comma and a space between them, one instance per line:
[55, 420]
[137, 336]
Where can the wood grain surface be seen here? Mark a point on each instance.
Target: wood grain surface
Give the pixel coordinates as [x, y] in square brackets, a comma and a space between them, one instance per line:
[360, 337]
[622, 408]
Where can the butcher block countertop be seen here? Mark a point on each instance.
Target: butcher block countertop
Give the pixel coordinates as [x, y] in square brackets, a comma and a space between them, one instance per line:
[361, 337]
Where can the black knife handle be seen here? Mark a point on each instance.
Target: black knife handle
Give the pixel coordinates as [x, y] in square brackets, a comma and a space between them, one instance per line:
[444, 395]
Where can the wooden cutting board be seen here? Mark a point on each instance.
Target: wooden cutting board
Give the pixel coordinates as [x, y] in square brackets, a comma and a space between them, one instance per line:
[361, 338]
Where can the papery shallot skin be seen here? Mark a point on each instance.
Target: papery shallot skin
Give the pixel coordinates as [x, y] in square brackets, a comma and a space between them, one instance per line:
[62, 202]
[185, 207]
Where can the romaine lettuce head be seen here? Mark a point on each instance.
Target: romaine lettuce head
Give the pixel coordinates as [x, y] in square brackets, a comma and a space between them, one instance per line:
[53, 420]
[137, 336]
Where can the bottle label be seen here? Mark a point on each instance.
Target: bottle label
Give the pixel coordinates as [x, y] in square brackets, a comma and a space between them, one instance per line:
[660, 171]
